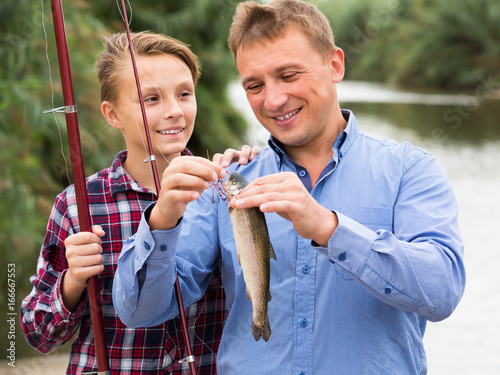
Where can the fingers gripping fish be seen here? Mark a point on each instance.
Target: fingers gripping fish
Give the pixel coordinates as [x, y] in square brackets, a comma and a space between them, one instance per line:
[254, 251]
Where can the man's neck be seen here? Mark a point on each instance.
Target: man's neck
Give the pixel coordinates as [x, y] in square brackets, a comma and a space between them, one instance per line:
[315, 157]
[313, 161]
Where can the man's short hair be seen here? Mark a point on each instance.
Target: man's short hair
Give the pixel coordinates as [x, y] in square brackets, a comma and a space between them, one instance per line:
[258, 23]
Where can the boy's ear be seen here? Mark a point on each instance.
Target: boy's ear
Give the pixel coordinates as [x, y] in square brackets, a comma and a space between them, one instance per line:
[111, 116]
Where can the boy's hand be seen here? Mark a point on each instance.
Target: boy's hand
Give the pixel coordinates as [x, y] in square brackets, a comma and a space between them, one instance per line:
[182, 182]
[84, 255]
[246, 154]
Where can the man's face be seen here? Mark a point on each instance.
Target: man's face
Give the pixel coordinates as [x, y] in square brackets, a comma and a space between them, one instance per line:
[169, 100]
[290, 88]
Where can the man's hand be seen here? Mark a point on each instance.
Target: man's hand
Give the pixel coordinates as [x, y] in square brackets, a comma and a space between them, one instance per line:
[246, 154]
[182, 182]
[285, 194]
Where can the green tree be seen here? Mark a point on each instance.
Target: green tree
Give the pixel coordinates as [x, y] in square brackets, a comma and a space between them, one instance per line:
[33, 145]
[204, 25]
[420, 43]
[34, 155]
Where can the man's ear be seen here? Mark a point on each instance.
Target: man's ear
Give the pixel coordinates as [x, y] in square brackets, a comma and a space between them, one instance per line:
[110, 114]
[338, 66]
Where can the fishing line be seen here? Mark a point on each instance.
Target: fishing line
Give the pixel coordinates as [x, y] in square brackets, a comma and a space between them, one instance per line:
[121, 14]
[202, 307]
[220, 223]
[52, 94]
[200, 311]
[140, 127]
[158, 117]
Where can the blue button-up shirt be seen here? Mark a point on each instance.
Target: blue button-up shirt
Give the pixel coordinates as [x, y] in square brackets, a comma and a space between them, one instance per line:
[358, 306]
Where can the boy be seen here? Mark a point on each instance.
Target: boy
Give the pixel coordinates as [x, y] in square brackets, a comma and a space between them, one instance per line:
[57, 306]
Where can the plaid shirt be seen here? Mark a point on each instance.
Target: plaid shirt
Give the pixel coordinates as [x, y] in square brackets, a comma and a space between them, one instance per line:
[116, 203]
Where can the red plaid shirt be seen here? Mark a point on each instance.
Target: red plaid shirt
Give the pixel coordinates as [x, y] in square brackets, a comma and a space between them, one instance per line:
[116, 203]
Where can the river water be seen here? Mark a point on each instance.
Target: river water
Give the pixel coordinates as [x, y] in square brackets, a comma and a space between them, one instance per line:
[463, 132]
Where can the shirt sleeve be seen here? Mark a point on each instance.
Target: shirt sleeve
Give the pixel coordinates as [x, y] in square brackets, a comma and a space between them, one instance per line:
[418, 267]
[144, 284]
[45, 321]
[145, 276]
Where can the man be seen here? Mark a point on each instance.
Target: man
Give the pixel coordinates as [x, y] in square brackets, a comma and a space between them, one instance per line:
[364, 230]
[58, 305]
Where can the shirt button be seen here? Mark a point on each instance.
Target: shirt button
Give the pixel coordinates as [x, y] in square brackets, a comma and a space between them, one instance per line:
[387, 290]
[302, 373]
[146, 245]
[306, 269]
[342, 257]
[163, 247]
[303, 322]
[302, 173]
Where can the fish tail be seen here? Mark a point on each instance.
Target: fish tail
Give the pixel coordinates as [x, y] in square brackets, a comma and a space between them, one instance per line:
[261, 330]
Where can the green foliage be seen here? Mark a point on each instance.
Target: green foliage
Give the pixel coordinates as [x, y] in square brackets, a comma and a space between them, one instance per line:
[33, 145]
[34, 153]
[418, 42]
[204, 25]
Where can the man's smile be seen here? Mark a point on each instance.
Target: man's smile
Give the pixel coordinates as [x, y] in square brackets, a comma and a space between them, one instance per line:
[287, 115]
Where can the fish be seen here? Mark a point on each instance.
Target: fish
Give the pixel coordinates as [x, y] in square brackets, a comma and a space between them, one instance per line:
[254, 251]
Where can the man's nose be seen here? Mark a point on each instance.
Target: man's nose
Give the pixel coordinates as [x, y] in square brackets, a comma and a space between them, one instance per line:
[275, 97]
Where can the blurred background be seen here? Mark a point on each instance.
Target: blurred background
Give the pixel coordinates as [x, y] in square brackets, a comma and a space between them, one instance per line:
[424, 71]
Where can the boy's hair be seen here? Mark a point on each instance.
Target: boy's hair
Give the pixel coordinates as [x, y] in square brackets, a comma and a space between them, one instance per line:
[257, 23]
[117, 54]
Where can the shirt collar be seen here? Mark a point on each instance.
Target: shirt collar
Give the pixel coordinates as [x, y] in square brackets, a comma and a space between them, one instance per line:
[349, 134]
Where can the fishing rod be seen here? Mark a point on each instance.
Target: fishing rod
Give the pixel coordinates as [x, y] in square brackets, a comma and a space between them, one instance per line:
[82, 202]
[152, 159]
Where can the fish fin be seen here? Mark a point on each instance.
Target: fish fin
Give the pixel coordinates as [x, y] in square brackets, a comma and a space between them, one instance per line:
[239, 261]
[268, 297]
[264, 331]
[272, 254]
[249, 296]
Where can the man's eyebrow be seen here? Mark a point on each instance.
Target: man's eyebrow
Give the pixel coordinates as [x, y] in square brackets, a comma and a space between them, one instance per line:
[282, 68]
[276, 71]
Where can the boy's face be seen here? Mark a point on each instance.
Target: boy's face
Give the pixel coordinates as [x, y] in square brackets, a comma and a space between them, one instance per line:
[170, 104]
